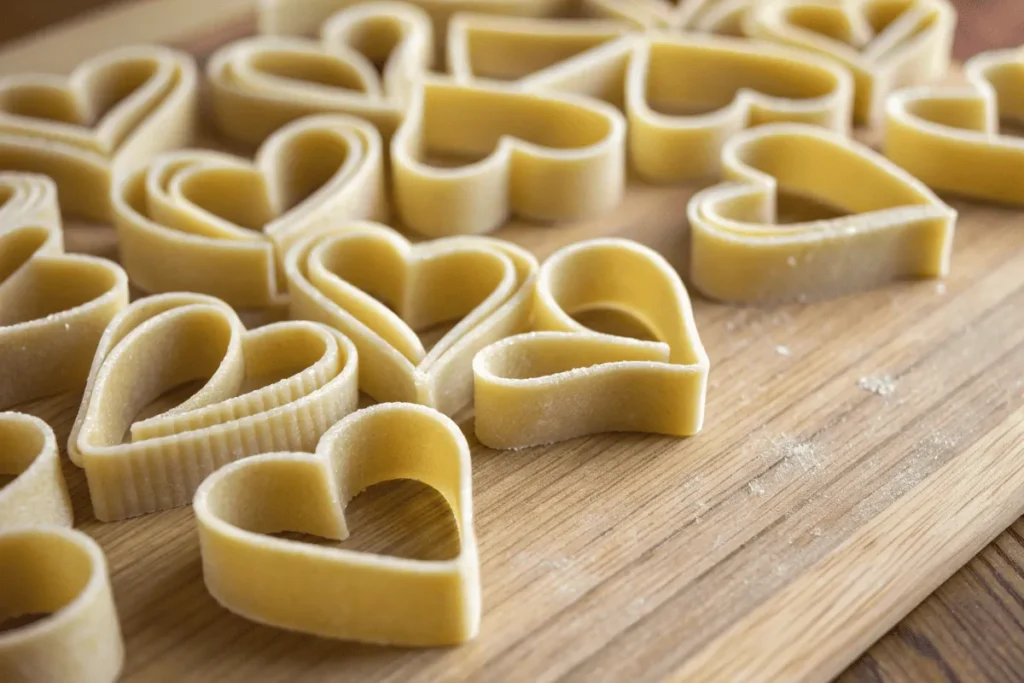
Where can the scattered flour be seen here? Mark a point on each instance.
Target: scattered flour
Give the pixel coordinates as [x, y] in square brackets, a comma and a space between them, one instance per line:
[940, 288]
[755, 488]
[883, 385]
[783, 350]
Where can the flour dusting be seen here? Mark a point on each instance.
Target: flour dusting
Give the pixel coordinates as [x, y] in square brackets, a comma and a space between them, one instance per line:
[883, 385]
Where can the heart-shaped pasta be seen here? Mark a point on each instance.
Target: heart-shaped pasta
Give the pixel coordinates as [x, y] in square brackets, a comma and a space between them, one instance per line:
[466, 158]
[484, 284]
[567, 380]
[886, 44]
[335, 592]
[891, 225]
[949, 137]
[114, 112]
[217, 224]
[53, 306]
[259, 84]
[685, 95]
[62, 573]
[278, 387]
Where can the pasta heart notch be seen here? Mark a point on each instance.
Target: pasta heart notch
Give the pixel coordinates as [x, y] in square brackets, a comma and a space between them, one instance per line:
[468, 157]
[950, 138]
[370, 283]
[566, 380]
[218, 224]
[886, 44]
[114, 111]
[364, 64]
[53, 306]
[278, 387]
[335, 592]
[889, 225]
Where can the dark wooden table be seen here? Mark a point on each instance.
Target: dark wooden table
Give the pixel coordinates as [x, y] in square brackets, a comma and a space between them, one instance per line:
[972, 627]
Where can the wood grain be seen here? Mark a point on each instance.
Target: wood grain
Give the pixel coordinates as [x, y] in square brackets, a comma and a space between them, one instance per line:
[623, 557]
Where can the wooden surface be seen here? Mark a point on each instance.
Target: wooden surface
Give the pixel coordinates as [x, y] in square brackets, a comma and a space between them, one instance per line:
[807, 519]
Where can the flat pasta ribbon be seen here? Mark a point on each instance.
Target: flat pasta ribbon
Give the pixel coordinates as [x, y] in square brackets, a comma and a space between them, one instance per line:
[538, 156]
[114, 112]
[683, 95]
[335, 592]
[949, 137]
[886, 44]
[893, 226]
[259, 84]
[218, 224]
[278, 387]
[53, 306]
[483, 283]
[62, 572]
[38, 494]
[567, 380]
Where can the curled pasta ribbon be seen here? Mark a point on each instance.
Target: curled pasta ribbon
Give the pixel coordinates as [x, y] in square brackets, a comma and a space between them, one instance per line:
[886, 44]
[278, 387]
[53, 306]
[483, 284]
[38, 494]
[538, 156]
[566, 380]
[891, 225]
[217, 224]
[949, 137]
[683, 95]
[259, 84]
[114, 112]
[60, 571]
[335, 592]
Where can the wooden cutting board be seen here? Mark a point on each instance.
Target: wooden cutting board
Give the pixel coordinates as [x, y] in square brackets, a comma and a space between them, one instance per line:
[856, 453]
